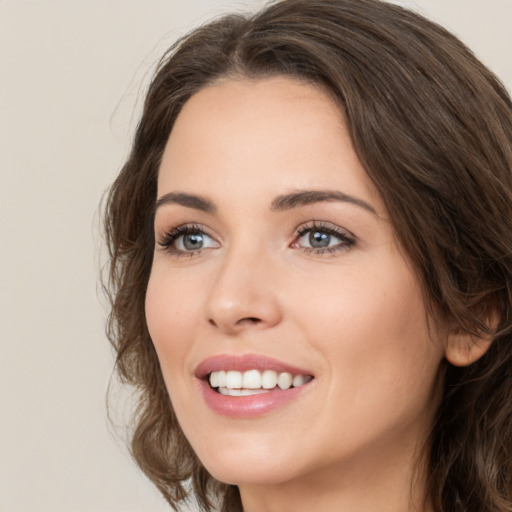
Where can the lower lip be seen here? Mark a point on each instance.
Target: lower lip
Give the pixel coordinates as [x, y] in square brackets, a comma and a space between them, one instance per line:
[248, 406]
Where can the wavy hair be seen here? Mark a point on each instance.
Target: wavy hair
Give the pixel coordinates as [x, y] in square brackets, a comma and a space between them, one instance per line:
[432, 127]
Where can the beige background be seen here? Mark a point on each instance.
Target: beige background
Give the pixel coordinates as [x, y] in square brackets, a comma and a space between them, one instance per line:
[70, 76]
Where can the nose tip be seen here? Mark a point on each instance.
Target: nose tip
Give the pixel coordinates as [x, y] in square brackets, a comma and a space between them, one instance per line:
[241, 298]
[236, 317]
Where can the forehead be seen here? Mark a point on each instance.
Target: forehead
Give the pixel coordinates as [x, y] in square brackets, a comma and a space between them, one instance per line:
[272, 134]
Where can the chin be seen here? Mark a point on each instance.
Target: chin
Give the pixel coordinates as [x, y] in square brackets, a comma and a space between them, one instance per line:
[249, 467]
[256, 475]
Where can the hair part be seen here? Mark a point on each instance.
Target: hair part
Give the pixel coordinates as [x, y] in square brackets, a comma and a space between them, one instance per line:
[433, 129]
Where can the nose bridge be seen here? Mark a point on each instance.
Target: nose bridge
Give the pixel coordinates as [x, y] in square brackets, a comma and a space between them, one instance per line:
[242, 294]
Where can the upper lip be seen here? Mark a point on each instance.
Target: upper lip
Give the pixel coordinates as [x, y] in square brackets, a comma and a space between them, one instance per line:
[244, 362]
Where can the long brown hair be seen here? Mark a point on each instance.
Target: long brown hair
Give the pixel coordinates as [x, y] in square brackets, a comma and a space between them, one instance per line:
[433, 128]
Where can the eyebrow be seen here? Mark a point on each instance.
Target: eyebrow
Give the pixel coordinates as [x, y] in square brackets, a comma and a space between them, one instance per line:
[280, 203]
[188, 200]
[305, 197]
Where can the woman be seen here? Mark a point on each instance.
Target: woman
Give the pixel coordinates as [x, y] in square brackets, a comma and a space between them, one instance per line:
[311, 257]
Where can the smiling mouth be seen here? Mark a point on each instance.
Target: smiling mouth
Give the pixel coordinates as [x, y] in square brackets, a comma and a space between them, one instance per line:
[254, 382]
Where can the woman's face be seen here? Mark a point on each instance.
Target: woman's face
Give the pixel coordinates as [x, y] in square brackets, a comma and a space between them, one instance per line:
[275, 260]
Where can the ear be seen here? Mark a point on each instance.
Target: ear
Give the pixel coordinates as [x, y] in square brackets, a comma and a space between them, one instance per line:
[463, 348]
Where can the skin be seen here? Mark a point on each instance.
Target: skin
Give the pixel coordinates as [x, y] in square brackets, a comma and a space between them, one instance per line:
[354, 317]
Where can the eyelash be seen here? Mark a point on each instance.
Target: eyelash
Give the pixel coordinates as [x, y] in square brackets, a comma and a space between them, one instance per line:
[346, 240]
[170, 237]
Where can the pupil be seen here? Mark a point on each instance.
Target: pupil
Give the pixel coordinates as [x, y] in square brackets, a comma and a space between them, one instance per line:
[319, 239]
[193, 241]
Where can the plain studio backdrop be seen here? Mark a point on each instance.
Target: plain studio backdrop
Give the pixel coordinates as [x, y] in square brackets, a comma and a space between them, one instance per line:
[72, 74]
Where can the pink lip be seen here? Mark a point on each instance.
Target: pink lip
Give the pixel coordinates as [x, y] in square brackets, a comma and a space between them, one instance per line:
[247, 406]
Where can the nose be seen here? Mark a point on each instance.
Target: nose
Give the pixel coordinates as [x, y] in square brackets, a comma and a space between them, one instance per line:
[244, 294]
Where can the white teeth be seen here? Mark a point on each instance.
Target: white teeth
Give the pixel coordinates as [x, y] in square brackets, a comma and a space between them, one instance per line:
[241, 392]
[233, 380]
[251, 379]
[298, 380]
[230, 392]
[218, 379]
[253, 382]
[221, 379]
[285, 380]
[269, 379]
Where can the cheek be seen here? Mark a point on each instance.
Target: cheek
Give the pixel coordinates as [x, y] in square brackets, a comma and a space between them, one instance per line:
[371, 326]
[377, 305]
[172, 317]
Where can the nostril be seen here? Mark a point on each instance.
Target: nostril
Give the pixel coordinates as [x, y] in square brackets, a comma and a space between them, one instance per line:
[251, 319]
[246, 320]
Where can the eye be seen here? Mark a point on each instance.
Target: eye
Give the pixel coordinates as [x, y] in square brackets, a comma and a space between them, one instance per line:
[193, 242]
[319, 237]
[187, 239]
